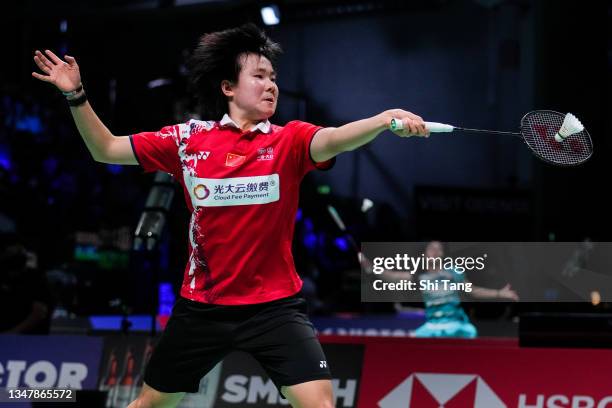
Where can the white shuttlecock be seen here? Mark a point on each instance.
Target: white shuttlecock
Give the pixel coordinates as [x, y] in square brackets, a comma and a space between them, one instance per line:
[570, 126]
[366, 204]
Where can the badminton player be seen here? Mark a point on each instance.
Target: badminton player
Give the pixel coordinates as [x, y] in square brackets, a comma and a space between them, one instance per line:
[443, 312]
[240, 175]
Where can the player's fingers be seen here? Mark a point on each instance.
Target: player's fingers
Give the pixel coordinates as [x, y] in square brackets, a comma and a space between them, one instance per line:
[41, 65]
[70, 59]
[407, 130]
[411, 115]
[44, 59]
[412, 127]
[409, 126]
[423, 131]
[421, 128]
[54, 57]
[41, 77]
[412, 124]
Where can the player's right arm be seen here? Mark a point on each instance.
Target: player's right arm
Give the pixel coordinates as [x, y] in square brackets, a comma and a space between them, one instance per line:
[102, 144]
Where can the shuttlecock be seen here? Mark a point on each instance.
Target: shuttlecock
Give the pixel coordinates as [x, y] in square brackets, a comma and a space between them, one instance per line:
[570, 125]
[366, 204]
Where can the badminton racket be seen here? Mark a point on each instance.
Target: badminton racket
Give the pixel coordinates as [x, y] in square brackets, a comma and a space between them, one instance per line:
[551, 136]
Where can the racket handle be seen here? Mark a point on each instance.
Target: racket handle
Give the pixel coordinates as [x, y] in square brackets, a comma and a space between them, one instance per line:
[433, 127]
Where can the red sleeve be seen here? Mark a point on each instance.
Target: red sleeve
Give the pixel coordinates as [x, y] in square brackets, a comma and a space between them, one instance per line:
[158, 150]
[301, 138]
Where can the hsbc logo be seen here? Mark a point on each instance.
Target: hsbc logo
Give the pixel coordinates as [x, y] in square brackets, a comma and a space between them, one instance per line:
[421, 390]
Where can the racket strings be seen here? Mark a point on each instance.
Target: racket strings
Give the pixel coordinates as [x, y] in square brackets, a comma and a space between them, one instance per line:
[539, 129]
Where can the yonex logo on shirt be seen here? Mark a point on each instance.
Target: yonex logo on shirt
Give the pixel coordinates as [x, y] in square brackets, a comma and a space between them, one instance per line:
[203, 155]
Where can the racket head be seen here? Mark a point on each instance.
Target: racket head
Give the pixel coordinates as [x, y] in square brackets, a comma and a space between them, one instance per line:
[539, 128]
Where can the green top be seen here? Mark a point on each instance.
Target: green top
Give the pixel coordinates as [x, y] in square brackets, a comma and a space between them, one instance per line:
[443, 305]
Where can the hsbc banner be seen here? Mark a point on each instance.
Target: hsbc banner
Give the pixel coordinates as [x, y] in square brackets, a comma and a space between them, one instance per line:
[49, 361]
[416, 374]
[244, 383]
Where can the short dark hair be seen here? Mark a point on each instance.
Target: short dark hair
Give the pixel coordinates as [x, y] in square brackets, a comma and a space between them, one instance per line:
[217, 58]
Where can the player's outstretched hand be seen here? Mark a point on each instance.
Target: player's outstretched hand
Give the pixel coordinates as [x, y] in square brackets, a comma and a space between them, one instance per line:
[413, 125]
[64, 75]
[507, 293]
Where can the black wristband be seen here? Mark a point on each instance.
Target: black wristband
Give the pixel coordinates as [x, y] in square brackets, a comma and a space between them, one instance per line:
[78, 101]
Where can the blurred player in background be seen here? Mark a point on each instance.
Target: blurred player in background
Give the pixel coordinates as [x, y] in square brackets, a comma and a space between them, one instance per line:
[443, 311]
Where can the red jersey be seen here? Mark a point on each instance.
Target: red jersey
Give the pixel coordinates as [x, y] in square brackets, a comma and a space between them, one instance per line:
[242, 190]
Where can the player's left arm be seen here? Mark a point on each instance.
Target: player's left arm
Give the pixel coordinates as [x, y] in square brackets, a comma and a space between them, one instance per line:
[505, 293]
[329, 142]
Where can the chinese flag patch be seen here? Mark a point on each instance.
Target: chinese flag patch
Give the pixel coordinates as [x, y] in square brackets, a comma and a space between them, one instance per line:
[233, 160]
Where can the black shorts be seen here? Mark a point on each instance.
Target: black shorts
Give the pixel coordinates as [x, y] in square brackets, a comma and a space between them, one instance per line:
[277, 334]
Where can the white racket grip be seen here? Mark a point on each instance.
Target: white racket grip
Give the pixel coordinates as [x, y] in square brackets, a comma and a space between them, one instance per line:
[433, 127]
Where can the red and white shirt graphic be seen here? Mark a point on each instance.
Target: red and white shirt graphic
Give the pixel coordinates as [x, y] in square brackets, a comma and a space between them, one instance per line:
[242, 191]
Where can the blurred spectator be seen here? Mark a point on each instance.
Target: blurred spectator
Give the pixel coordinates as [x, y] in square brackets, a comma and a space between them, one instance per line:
[25, 301]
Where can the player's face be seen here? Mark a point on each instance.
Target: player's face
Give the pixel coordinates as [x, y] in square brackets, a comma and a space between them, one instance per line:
[434, 250]
[256, 92]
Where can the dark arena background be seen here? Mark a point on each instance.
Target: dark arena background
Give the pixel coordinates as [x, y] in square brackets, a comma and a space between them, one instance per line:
[92, 255]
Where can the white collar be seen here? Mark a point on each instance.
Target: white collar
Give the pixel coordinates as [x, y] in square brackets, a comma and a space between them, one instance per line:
[264, 127]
